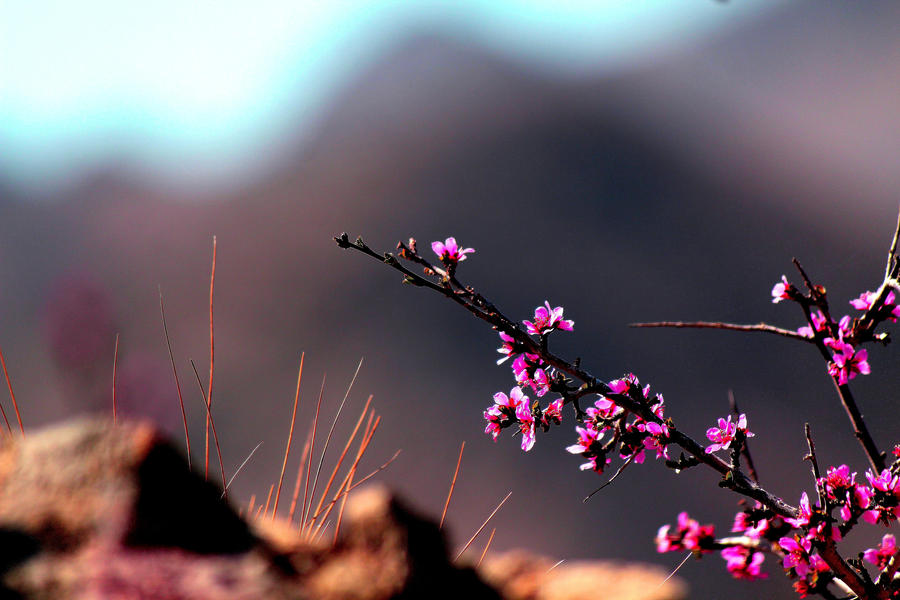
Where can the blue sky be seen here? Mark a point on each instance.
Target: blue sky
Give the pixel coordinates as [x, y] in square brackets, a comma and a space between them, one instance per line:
[209, 84]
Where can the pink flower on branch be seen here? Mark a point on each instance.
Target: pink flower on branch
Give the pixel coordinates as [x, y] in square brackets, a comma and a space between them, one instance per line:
[547, 319]
[796, 554]
[690, 535]
[726, 432]
[818, 324]
[504, 411]
[589, 447]
[888, 310]
[846, 363]
[449, 252]
[885, 551]
[743, 563]
[508, 348]
[526, 425]
[781, 291]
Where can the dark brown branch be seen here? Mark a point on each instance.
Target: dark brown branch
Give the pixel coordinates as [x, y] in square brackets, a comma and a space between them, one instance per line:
[738, 480]
[814, 462]
[745, 447]
[762, 327]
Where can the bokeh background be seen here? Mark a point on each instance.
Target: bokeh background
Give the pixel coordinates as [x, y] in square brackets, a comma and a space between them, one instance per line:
[629, 161]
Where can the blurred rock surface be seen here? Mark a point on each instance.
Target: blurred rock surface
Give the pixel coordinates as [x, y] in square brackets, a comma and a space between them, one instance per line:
[89, 510]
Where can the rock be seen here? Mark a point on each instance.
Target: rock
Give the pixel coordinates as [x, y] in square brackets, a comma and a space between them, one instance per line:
[92, 511]
[523, 576]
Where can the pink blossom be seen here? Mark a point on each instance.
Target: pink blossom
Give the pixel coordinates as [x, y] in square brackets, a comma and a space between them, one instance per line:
[547, 319]
[805, 513]
[553, 413]
[504, 411]
[780, 291]
[589, 447]
[689, 536]
[885, 482]
[621, 386]
[725, 433]
[744, 564]
[846, 363]
[540, 383]
[818, 324]
[883, 505]
[867, 299]
[508, 348]
[812, 582]
[796, 554]
[526, 425]
[749, 526]
[527, 371]
[603, 409]
[880, 556]
[837, 480]
[449, 252]
[654, 443]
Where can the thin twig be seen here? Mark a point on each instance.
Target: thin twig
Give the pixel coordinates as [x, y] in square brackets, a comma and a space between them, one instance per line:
[761, 327]
[11, 394]
[483, 525]
[452, 485]
[269, 499]
[611, 479]
[331, 431]
[556, 564]
[363, 446]
[359, 483]
[187, 437]
[745, 447]
[8, 428]
[246, 460]
[678, 568]
[892, 253]
[298, 481]
[115, 364]
[346, 449]
[814, 465]
[340, 517]
[212, 424]
[212, 358]
[488, 545]
[287, 449]
[307, 499]
[368, 434]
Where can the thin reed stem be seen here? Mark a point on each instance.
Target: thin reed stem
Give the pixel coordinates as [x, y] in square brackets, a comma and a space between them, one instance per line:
[483, 525]
[11, 395]
[452, 485]
[307, 500]
[287, 449]
[115, 364]
[486, 546]
[187, 437]
[213, 425]
[212, 360]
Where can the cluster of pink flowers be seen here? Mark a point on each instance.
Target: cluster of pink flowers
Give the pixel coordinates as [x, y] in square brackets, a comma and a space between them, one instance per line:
[883, 553]
[689, 535]
[847, 361]
[607, 426]
[726, 432]
[889, 310]
[529, 370]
